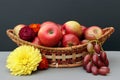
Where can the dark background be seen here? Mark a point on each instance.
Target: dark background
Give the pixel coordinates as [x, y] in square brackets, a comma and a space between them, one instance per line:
[103, 13]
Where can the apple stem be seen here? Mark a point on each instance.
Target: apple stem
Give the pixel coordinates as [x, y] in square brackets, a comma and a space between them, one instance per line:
[51, 32]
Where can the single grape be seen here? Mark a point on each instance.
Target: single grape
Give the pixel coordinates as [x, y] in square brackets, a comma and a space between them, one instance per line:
[107, 68]
[95, 58]
[94, 70]
[88, 67]
[103, 70]
[86, 59]
[97, 48]
[90, 47]
[103, 55]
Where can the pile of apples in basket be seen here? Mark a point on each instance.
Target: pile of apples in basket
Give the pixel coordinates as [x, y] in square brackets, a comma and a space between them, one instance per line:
[71, 33]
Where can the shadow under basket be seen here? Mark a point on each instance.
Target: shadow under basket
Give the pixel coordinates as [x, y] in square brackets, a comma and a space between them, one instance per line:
[62, 56]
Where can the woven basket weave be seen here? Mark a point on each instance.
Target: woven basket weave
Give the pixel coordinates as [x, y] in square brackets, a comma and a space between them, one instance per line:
[62, 57]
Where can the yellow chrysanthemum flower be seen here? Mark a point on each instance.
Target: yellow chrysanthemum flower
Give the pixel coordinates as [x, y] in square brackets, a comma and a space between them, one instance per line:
[23, 60]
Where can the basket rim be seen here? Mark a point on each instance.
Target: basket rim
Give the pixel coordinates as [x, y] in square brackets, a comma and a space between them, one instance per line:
[108, 30]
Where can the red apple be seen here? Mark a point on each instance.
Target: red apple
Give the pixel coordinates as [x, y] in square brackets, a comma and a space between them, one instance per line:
[49, 34]
[93, 32]
[70, 40]
[36, 41]
[73, 27]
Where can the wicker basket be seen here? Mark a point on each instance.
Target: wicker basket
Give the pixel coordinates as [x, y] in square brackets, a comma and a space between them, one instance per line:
[62, 57]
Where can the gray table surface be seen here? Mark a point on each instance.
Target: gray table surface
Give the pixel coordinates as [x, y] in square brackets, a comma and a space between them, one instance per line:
[77, 73]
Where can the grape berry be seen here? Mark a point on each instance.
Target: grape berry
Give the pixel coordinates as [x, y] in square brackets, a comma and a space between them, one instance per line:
[96, 62]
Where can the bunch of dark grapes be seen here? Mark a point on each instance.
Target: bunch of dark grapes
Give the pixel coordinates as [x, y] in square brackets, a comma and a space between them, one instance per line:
[96, 62]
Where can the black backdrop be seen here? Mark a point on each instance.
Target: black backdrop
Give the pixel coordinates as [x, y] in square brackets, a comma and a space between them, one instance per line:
[103, 13]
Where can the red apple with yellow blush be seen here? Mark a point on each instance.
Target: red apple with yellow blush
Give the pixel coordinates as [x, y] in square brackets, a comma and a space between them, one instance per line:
[93, 32]
[73, 27]
[70, 40]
